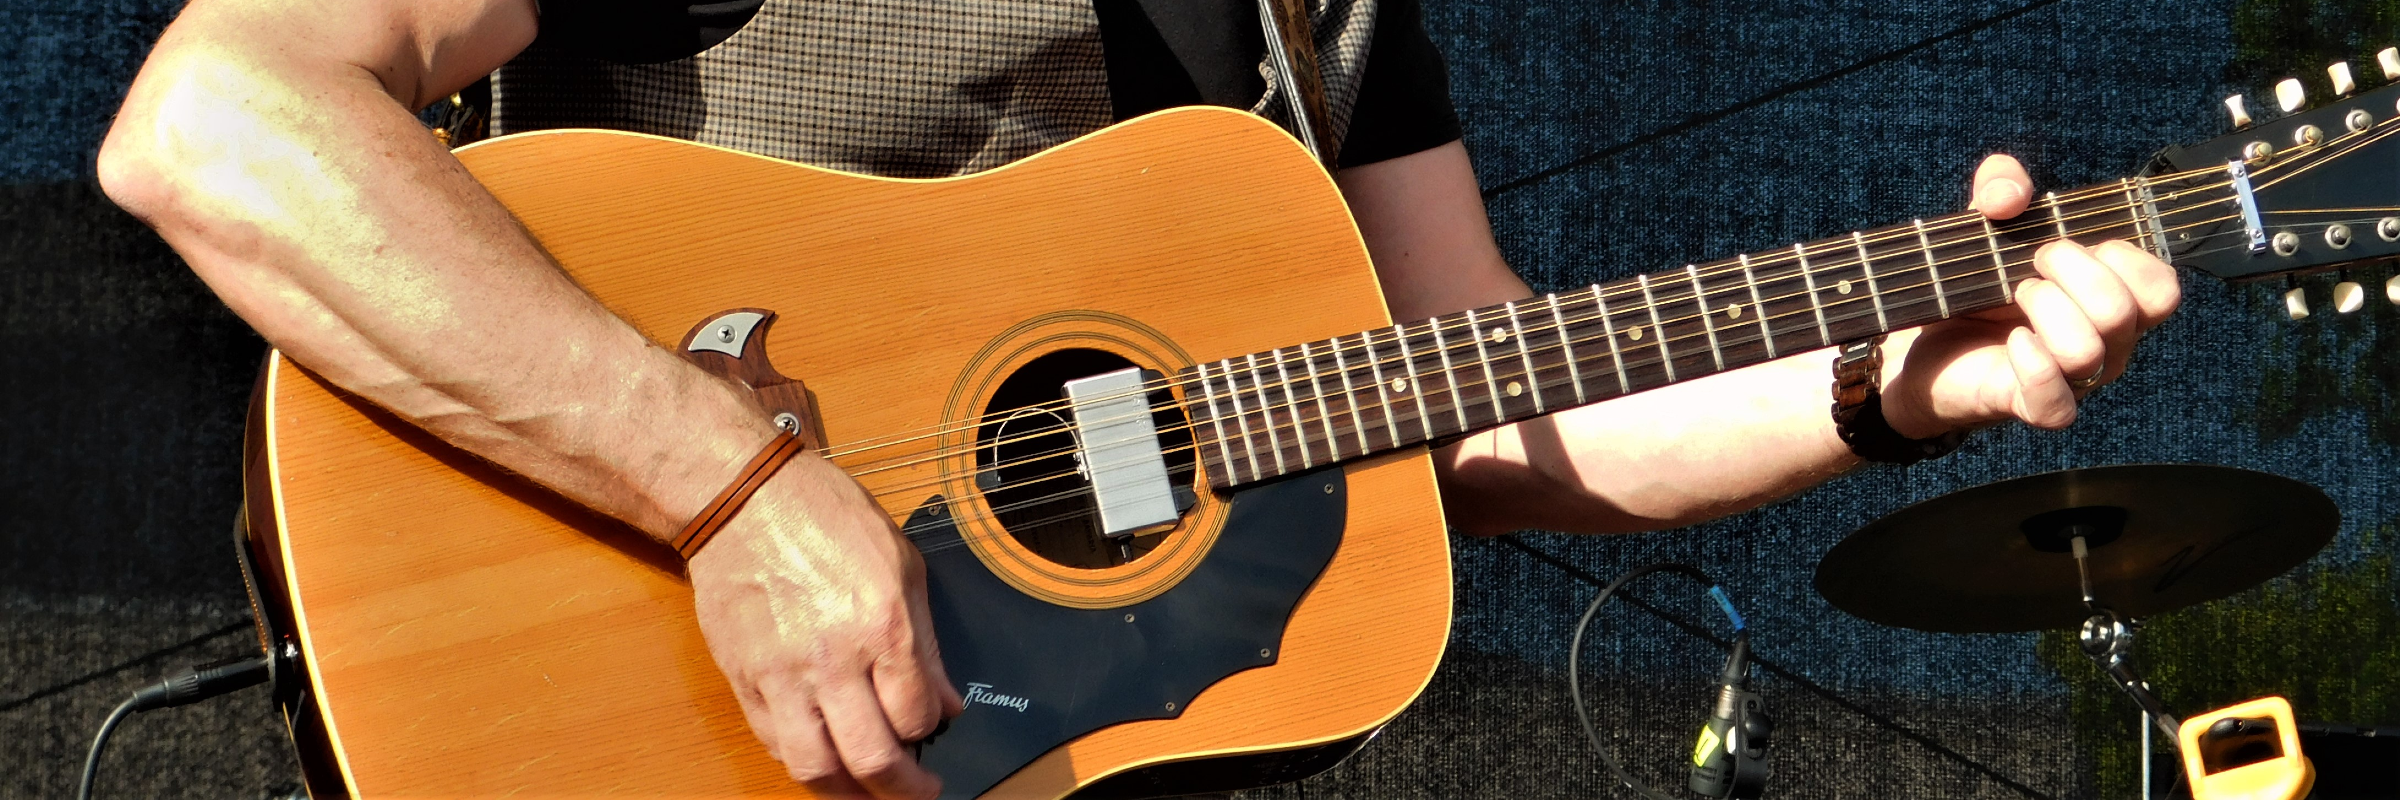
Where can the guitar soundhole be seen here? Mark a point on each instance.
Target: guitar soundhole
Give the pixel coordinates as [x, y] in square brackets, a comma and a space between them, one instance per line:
[1026, 466]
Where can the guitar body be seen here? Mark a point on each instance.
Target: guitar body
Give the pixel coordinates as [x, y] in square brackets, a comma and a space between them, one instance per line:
[464, 633]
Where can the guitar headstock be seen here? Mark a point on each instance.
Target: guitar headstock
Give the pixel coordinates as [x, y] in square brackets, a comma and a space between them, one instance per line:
[2314, 189]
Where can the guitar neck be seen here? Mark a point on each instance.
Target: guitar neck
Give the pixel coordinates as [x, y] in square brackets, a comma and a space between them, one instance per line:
[1263, 415]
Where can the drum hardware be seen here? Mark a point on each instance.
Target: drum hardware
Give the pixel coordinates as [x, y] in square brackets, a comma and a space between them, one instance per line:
[2149, 538]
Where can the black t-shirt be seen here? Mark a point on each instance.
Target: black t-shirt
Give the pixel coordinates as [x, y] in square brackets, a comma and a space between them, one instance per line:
[1159, 53]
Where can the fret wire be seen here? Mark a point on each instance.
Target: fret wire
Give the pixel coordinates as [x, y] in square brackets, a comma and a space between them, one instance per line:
[1216, 419]
[1700, 298]
[1766, 333]
[2133, 209]
[1383, 392]
[2057, 216]
[1940, 297]
[1234, 393]
[1566, 346]
[2000, 262]
[1866, 266]
[1608, 330]
[2149, 208]
[1358, 420]
[1416, 383]
[1533, 381]
[1316, 387]
[1483, 356]
[1291, 408]
[1991, 238]
[1266, 412]
[1458, 402]
[1815, 301]
[1666, 358]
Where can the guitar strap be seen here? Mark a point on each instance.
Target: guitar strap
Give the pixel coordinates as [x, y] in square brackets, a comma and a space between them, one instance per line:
[1296, 78]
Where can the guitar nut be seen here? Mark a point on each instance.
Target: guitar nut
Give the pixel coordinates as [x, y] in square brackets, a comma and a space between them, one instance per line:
[2286, 244]
[2358, 120]
[2337, 236]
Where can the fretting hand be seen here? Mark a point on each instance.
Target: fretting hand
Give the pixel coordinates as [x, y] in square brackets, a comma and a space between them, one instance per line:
[2069, 332]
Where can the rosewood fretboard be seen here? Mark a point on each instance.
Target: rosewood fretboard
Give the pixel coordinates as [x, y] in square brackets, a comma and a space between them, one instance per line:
[1297, 408]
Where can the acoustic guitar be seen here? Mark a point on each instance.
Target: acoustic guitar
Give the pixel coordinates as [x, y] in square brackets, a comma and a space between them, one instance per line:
[1137, 400]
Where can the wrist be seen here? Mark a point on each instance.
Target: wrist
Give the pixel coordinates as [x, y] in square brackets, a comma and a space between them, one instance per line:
[1862, 419]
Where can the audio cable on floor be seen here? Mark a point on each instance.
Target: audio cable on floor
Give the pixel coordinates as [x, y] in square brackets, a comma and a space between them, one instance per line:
[191, 685]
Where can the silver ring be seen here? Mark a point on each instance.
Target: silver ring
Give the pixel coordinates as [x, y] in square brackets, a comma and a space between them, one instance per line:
[2081, 384]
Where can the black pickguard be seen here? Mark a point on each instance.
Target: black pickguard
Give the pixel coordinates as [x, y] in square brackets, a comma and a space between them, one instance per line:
[1038, 675]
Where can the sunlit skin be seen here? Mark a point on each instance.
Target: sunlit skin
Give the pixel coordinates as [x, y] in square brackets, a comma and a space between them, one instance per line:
[271, 142]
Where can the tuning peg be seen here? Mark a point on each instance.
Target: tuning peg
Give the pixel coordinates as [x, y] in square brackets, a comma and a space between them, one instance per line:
[2290, 95]
[2342, 83]
[2295, 303]
[2389, 59]
[2234, 108]
[2391, 290]
[2348, 296]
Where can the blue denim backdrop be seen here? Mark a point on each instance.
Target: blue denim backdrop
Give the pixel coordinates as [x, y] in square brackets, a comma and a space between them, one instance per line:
[119, 439]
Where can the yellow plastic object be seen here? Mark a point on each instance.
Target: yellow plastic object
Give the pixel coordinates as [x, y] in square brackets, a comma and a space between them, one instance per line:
[2241, 767]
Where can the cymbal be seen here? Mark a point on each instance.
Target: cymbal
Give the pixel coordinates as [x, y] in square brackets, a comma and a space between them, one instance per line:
[1996, 558]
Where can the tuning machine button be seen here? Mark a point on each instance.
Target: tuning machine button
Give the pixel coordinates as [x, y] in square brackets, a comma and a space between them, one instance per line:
[2295, 303]
[2290, 95]
[2343, 84]
[2389, 60]
[2234, 108]
[2348, 296]
[2391, 289]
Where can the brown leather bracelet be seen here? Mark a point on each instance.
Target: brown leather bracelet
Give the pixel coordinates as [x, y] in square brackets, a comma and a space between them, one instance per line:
[703, 527]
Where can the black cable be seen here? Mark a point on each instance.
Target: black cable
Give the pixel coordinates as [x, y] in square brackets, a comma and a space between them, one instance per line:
[1812, 687]
[187, 686]
[1778, 93]
[1575, 677]
[91, 763]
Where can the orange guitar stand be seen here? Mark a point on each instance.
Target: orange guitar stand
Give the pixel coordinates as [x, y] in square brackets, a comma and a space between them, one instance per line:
[2246, 752]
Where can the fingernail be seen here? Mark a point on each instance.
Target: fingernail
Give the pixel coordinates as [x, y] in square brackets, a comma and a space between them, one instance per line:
[2000, 192]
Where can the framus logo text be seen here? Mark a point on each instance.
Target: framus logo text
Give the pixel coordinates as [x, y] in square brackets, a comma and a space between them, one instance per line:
[982, 694]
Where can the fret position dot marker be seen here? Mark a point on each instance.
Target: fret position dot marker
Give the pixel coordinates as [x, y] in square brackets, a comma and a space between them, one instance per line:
[1515, 388]
[1843, 287]
[1499, 335]
[1634, 333]
[1733, 311]
[1399, 385]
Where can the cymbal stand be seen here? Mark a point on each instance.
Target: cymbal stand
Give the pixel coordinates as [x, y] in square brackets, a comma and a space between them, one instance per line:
[2107, 638]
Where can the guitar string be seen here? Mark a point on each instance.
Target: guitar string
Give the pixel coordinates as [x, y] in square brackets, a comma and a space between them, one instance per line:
[1956, 221]
[1963, 220]
[1946, 224]
[1293, 406]
[995, 511]
[1566, 335]
[1368, 342]
[1348, 422]
[1258, 389]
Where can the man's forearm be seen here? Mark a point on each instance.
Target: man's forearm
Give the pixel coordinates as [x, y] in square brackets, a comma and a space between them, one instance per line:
[1660, 459]
[313, 203]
